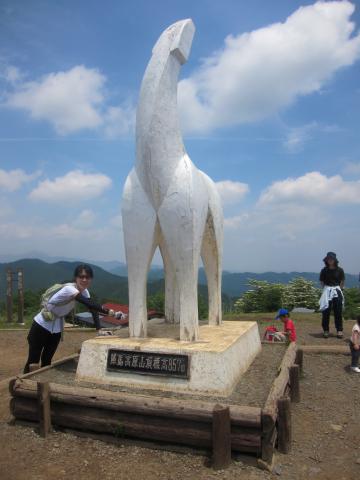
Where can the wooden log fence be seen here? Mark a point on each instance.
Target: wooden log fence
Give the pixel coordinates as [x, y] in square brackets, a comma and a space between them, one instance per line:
[194, 423]
[273, 419]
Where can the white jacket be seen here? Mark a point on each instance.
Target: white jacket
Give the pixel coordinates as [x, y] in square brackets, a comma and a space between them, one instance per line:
[327, 295]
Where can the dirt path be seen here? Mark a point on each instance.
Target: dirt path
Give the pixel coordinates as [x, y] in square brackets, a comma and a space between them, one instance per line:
[325, 432]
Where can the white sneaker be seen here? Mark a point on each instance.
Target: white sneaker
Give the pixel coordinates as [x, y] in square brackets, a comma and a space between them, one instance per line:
[355, 369]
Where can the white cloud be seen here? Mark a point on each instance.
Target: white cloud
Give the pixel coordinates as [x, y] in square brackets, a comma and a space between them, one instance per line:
[296, 137]
[257, 73]
[72, 187]
[232, 192]
[11, 74]
[352, 168]
[69, 100]
[85, 219]
[313, 187]
[119, 121]
[236, 221]
[14, 179]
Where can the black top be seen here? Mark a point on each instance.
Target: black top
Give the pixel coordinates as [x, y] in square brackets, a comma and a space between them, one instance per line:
[332, 276]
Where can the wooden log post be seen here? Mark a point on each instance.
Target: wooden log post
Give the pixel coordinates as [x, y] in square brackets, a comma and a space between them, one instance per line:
[43, 390]
[294, 378]
[268, 437]
[299, 359]
[20, 274]
[284, 425]
[9, 296]
[221, 437]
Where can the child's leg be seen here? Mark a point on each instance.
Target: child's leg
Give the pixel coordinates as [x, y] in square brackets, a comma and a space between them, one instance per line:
[354, 356]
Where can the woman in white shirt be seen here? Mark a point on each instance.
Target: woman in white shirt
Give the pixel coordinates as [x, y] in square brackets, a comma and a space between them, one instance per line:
[45, 332]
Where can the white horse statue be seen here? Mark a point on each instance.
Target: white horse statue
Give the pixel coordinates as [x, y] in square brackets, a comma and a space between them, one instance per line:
[169, 203]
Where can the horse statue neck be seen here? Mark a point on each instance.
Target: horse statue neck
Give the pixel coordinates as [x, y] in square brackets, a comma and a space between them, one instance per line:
[159, 144]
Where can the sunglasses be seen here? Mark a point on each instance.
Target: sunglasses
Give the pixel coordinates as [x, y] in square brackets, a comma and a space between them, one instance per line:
[84, 277]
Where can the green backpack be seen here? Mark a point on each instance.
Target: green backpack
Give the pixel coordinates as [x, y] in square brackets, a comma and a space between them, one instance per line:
[46, 297]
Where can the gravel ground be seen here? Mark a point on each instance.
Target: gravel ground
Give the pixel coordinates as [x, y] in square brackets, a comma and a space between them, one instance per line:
[325, 431]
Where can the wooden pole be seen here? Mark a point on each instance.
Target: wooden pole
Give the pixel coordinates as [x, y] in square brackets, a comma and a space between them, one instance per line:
[221, 437]
[268, 437]
[21, 296]
[299, 359]
[284, 425]
[294, 377]
[9, 296]
[44, 408]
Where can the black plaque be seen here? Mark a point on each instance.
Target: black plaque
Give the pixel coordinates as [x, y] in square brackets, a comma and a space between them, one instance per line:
[148, 363]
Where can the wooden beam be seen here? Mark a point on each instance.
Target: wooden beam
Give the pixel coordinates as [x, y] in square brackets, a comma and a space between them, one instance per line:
[280, 383]
[44, 408]
[74, 356]
[197, 410]
[284, 425]
[20, 275]
[294, 378]
[9, 296]
[221, 437]
[326, 349]
[153, 428]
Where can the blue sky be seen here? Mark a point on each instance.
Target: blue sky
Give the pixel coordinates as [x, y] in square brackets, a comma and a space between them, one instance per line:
[270, 108]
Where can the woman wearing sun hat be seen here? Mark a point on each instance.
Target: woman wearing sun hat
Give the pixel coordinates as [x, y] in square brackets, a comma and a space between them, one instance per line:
[332, 278]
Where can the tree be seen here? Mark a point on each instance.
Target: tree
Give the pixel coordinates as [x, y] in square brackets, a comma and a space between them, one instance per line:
[156, 302]
[301, 293]
[202, 307]
[263, 297]
[352, 302]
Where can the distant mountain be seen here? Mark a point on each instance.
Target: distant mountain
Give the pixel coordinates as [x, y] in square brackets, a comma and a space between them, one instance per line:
[235, 284]
[39, 274]
[109, 266]
[155, 272]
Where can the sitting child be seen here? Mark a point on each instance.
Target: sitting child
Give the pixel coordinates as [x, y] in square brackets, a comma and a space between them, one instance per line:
[272, 334]
[355, 346]
[289, 327]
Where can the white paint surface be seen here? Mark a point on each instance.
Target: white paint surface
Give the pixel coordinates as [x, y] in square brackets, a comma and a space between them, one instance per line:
[216, 363]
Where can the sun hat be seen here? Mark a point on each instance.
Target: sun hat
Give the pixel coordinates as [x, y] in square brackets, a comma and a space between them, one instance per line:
[330, 255]
[282, 313]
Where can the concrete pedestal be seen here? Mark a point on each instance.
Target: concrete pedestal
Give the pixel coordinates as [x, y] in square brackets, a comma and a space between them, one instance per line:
[215, 363]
